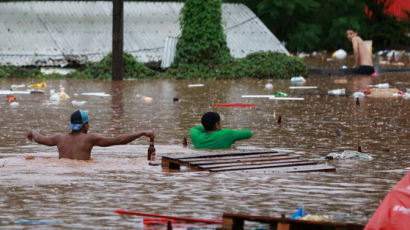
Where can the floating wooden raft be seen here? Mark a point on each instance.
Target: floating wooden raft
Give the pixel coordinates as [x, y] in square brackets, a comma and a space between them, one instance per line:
[236, 222]
[265, 160]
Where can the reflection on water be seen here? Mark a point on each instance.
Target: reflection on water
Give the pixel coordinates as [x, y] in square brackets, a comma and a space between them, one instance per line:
[85, 194]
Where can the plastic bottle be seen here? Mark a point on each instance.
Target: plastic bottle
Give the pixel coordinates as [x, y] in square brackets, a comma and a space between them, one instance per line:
[281, 94]
[297, 79]
[269, 86]
[382, 85]
[337, 92]
[151, 150]
[185, 142]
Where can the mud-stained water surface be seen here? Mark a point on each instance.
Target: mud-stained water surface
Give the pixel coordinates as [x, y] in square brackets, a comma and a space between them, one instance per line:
[83, 195]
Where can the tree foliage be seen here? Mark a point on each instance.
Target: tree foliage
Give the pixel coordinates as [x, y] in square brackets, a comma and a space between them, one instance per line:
[307, 25]
[202, 39]
[103, 69]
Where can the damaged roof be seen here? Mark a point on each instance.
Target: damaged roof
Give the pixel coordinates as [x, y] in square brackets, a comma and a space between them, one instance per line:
[57, 33]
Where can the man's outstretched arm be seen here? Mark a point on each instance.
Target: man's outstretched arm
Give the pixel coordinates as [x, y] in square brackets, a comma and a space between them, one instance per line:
[119, 140]
[37, 137]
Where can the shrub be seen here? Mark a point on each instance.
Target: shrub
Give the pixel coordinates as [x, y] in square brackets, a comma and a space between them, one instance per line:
[15, 71]
[256, 65]
[102, 69]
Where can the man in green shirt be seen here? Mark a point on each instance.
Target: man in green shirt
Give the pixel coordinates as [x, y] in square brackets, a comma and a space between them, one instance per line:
[211, 136]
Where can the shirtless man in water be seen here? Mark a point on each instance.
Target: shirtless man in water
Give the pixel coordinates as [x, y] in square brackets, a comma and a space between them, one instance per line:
[78, 144]
[362, 59]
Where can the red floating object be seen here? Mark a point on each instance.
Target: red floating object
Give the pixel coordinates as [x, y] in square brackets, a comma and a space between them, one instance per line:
[11, 98]
[234, 105]
[367, 91]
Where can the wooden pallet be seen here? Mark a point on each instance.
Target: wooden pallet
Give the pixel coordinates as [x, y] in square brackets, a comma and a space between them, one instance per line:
[236, 222]
[262, 160]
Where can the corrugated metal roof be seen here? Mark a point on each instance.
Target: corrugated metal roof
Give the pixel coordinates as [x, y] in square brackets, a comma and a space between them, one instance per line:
[46, 33]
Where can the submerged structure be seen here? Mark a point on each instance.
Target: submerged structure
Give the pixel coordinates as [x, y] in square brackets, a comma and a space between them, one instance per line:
[60, 33]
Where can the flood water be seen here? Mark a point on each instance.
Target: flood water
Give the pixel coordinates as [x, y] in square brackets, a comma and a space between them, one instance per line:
[83, 195]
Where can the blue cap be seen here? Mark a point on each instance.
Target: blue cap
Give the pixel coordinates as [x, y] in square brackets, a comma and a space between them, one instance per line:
[78, 119]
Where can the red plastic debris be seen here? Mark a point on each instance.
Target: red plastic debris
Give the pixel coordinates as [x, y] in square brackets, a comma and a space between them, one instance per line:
[234, 105]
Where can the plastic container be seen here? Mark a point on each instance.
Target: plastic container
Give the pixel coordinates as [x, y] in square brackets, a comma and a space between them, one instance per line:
[369, 45]
[269, 86]
[281, 94]
[337, 92]
[382, 85]
[298, 79]
[339, 54]
[359, 95]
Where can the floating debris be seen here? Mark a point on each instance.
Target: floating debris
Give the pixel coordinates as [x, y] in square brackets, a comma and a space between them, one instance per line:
[298, 79]
[17, 86]
[281, 94]
[269, 86]
[302, 87]
[36, 91]
[339, 54]
[52, 70]
[11, 98]
[337, 92]
[38, 222]
[383, 92]
[321, 218]
[97, 94]
[234, 105]
[195, 85]
[146, 99]
[13, 92]
[14, 104]
[287, 98]
[348, 154]
[39, 85]
[338, 133]
[381, 85]
[406, 96]
[258, 96]
[358, 95]
[78, 103]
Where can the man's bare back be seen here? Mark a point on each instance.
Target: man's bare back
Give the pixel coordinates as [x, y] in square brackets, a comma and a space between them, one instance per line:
[361, 50]
[78, 144]
[74, 146]
[363, 63]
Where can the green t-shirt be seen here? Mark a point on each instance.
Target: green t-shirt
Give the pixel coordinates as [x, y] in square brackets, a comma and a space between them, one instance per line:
[221, 139]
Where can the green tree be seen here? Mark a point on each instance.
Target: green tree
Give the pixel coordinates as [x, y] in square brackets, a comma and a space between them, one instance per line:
[308, 25]
[384, 29]
[202, 39]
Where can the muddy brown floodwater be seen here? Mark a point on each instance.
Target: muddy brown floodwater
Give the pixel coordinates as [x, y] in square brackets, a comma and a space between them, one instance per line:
[83, 195]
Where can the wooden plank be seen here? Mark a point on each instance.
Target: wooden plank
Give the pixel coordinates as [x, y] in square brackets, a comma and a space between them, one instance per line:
[247, 167]
[244, 159]
[233, 223]
[283, 226]
[212, 166]
[293, 224]
[231, 157]
[169, 163]
[224, 153]
[297, 169]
